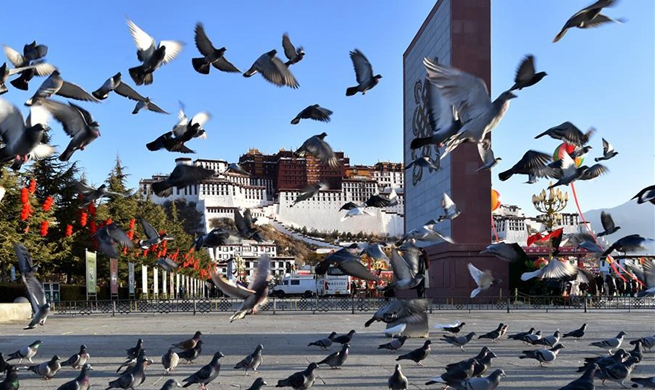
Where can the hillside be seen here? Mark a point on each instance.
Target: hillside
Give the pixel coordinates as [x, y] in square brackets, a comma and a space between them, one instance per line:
[633, 218]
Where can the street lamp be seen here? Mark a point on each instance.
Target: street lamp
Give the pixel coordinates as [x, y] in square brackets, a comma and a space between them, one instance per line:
[549, 204]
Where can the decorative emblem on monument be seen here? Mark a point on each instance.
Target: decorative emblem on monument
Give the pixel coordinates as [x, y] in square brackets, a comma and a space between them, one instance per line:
[421, 128]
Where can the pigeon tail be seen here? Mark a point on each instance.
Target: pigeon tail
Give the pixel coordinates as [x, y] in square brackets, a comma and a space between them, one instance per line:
[20, 83]
[154, 145]
[503, 176]
[475, 292]
[140, 77]
[295, 121]
[560, 35]
[529, 275]
[67, 154]
[352, 90]
[200, 65]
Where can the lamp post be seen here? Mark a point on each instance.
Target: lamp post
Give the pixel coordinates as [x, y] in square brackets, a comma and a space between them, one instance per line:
[550, 204]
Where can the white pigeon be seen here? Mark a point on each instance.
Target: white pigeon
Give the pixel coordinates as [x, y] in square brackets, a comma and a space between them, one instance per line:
[484, 280]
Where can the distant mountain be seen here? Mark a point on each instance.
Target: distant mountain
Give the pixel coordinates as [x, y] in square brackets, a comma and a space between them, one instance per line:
[633, 218]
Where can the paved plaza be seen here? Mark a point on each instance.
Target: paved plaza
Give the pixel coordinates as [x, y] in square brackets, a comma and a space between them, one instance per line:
[285, 337]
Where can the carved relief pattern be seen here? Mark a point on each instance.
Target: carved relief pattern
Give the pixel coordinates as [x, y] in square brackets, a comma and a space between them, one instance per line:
[421, 128]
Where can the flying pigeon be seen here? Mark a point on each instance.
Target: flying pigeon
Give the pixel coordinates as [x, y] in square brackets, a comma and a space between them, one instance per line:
[380, 201]
[302, 380]
[418, 354]
[348, 262]
[167, 264]
[245, 225]
[425, 162]
[608, 225]
[21, 140]
[324, 343]
[150, 54]
[484, 280]
[569, 133]
[532, 164]
[487, 156]
[154, 237]
[183, 175]
[626, 244]
[26, 352]
[147, 104]
[317, 147]
[525, 74]
[293, 55]
[402, 311]
[116, 84]
[608, 151]
[356, 212]
[397, 380]
[216, 237]
[236, 168]
[308, 192]
[364, 74]
[82, 381]
[426, 233]
[506, 252]
[273, 70]
[646, 195]
[449, 208]
[91, 195]
[36, 293]
[78, 360]
[314, 112]
[568, 172]
[109, 235]
[77, 123]
[254, 295]
[336, 359]
[206, 374]
[54, 84]
[408, 271]
[555, 269]
[588, 17]
[252, 361]
[211, 55]
[648, 278]
[34, 66]
[460, 341]
[6, 72]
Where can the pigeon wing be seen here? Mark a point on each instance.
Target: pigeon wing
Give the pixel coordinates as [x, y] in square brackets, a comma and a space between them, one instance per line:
[593, 172]
[203, 43]
[476, 274]
[526, 69]
[128, 92]
[71, 119]
[231, 289]
[173, 49]
[363, 68]
[16, 59]
[11, 122]
[401, 271]
[74, 91]
[607, 221]
[148, 229]
[289, 49]
[145, 44]
[226, 66]
[261, 276]
[118, 235]
[155, 108]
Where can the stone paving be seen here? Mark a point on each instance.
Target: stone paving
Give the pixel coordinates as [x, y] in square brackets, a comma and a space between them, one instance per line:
[285, 337]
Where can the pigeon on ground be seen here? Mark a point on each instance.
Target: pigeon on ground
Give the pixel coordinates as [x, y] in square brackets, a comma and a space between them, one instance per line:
[77, 123]
[648, 383]
[54, 84]
[484, 280]
[216, 237]
[252, 361]
[449, 208]
[147, 104]
[636, 352]
[151, 54]
[610, 344]
[646, 195]
[78, 360]
[425, 162]
[556, 269]
[190, 355]
[293, 55]
[532, 338]
[257, 384]
[348, 262]
[569, 133]
[462, 364]
[397, 380]
[302, 380]
[206, 374]
[236, 168]
[82, 382]
[36, 293]
[455, 328]
[648, 342]
[489, 383]
[116, 84]
[604, 361]
[469, 96]
[324, 343]
[170, 385]
[317, 147]
[588, 17]
[578, 333]
[133, 377]
[154, 237]
[550, 341]
[418, 354]
[487, 155]
[344, 338]
[108, 236]
[394, 344]
[314, 112]
[245, 225]
[26, 352]
[254, 295]
[183, 175]
[454, 376]
[48, 369]
[189, 343]
[496, 333]
[460, 341]
[21, 140]
[211, 55]
[608, 151]
[626, 244]
[585, 382]
[543, 355]
[526, 75]
[364, 74]
[34, 67]
[483, 364]
[336, 359]
[11, 381]
[170, 360]
[521, 335]
[532, 163]
[618, 372]
[608, 224]
[273, 70]
[134, 352]
[91, 195]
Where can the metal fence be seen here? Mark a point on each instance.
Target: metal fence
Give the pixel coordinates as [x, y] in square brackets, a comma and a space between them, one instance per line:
[352, 305]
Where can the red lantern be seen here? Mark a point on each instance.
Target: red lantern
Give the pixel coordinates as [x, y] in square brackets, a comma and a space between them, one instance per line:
[540, 263]
[83, 218]
[109, 221]
[495, 200]
[125, 250]
[130, 235]
[92, 209]
[145, 253]
[32, 186]
[69, 230]
[93, 228]
[132, 222]
[44, 228]
[47, 204]
[24, 195]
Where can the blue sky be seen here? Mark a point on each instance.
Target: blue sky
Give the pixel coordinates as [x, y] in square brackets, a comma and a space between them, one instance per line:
[601, 77]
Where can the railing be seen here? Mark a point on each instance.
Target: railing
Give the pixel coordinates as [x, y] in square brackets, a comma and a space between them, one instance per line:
[348, 304]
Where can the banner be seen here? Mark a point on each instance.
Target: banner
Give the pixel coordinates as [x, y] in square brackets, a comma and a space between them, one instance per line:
[113, 276]
[155, 281]
[130, 277]
[172, 284]
[163, 283]
[230, 270]
[90, 273]
[144, 280]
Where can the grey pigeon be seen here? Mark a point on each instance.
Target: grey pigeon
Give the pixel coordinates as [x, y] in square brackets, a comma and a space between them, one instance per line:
[309, 192]
[590, 247]
[169, 142]
[170, 360]
[82, 382]
[6, 72]
[26, 352]
[11, 381]
[216, 237]
[489, 383]
[454, 376]
[301, 380]
[48, 369]
[187, 129]
[646, 195]
[110, 235]
[344, 338]
[170, 384]
[555, 269]
[133, 377]
[245, 225]
[455, 328]
[336, 359]
[578, 333]
[317, 147]
[610, 344]
[348, 262]
[91, 195]
[532, 164]
[425, 162]
[394, 344]
[151, 54]
[469, 96]
[648, 342]
[183, 175]
[210, 55]
[460, 341]
[617, 372]
[21, 140]
[526, 75]
[234, 167]
[462, 364]
[314, 112]
[550, 341]
[77, 123]
[521, 335]
[154, 237]
[508, 252]
[293, 55]
[189, 343]
[569, 133]
[206, 374]
[116, 84]
[36, 293]
[257, 384]
[78, 360]
[254, 295]
[324, 343]
[568, 172]
[483, 279]
[364, 74]
[608, 225]
[190, 355]
[167, 264]
[349, 206]
[604, 361]
[407, 270]
[543, 355]
[273, 70]
[630, 243]
[33, 52]
[4, 365]
[397, 380]
[54, 84]
[482, 364]
[588, 17]
[648, 383]
[381, 201]
[449, 208]
[34, 68]
[147, 104]
[252, 361]
[402, 311]
[608, 151]
[495, 334]
[487, 155]
[531, 338]
[585, 382]
[417, 355]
